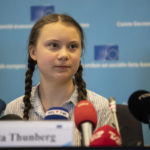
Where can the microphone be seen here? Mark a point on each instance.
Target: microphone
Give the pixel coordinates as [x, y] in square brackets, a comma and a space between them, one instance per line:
[112, 105]
[85, 117]
[57, 113]
[2, 106]
[10, 117]
[106, 136]
[139, 105]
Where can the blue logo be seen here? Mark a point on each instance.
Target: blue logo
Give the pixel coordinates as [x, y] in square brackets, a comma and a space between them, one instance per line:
[106, 52]
[39, 11]
[59, 126]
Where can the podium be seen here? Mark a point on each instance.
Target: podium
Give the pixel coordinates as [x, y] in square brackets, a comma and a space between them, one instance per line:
[45, 133]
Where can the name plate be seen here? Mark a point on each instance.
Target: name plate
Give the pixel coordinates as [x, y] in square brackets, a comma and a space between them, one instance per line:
[36, 133]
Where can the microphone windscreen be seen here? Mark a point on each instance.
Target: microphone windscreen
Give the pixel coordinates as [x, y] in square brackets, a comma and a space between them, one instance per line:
[11, 117]
[85, 112]
[2, 105]
[57, 113]
[139, 105]
[106, 136]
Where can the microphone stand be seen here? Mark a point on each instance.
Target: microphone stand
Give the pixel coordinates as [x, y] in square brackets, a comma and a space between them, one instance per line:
[112, 104]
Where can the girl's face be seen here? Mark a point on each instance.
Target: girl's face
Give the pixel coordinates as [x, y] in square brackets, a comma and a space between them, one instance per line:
[57, 52]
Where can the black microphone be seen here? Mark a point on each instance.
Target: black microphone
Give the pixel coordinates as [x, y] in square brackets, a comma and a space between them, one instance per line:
[10, 117]
[139, 105]
[2, 106]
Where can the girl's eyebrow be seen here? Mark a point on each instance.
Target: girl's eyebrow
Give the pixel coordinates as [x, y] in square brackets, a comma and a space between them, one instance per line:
[53, 40]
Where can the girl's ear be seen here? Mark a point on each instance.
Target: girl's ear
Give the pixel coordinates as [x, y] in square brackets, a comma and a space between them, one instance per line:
[32, 52]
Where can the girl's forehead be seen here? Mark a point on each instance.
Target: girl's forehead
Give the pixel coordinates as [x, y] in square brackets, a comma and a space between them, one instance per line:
[59, 28]
[56, 26]
[60, 32]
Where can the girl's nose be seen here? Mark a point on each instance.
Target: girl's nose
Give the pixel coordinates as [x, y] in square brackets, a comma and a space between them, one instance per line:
[63, 54]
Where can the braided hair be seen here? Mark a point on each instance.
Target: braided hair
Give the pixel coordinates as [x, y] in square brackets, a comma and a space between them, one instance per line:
[78, 80]
[28, 87]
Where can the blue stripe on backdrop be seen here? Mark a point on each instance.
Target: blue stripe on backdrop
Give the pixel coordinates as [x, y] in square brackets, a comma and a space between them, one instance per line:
[125, 24]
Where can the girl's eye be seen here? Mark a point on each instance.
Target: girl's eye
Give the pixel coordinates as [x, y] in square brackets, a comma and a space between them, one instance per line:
[73, 46]
[53, 45]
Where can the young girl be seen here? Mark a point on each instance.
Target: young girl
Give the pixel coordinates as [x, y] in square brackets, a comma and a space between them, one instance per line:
[56, 44]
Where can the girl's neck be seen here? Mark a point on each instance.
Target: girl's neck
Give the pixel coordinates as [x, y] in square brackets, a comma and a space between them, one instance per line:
[52, 94]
